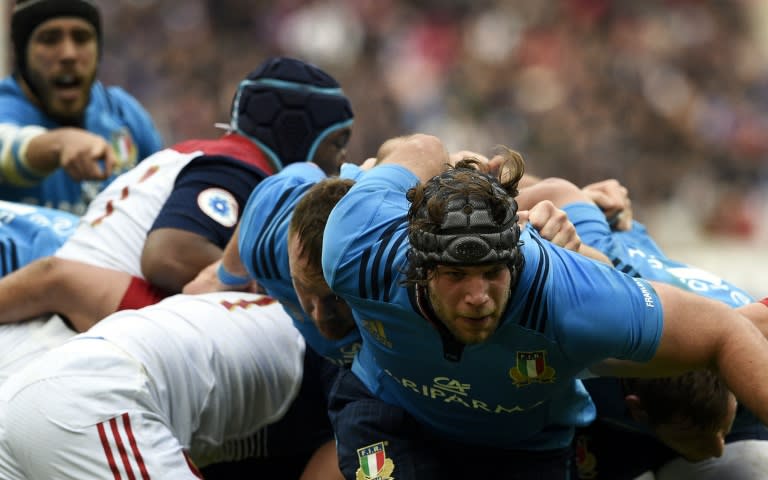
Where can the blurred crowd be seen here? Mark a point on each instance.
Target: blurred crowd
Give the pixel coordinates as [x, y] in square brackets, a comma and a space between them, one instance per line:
[670, 97]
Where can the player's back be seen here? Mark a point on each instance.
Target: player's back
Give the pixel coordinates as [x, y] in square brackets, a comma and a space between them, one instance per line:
[230, 360]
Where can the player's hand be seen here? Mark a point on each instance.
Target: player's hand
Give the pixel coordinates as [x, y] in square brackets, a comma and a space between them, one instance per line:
[552, 224]
[455, 157]
[208, 281]
[613, 199]
[86, 156]
[369, 163]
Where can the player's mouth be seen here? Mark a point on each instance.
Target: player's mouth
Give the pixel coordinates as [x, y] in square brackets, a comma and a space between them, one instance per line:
[476, 321]
[68, 87]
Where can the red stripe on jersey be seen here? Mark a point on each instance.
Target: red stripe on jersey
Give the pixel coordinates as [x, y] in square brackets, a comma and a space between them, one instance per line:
[192, 466]
[140, 293]
[764, 301]
[108, 451]
[135, 447]
[231, 145]
[121, 449]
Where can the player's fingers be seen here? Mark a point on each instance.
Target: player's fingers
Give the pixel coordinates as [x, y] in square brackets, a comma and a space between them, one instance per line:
[522, 217]
[103, 158]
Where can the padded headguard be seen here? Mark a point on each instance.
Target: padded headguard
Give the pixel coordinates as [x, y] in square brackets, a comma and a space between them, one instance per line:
[288, 107]
[478, 224]
[29, 14]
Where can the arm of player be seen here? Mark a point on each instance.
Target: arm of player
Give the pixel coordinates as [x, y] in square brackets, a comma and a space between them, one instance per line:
[553, 224]
[613, 199]
[758, 313]
[172, 257]
[424, 155]
[210, 279]
[79, 152]
[703, 333]
[79, 291]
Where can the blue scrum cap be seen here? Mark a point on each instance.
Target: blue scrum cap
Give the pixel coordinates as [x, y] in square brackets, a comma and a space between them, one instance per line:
[288, 107]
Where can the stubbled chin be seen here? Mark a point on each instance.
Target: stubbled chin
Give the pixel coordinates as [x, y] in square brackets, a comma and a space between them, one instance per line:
[67, 110]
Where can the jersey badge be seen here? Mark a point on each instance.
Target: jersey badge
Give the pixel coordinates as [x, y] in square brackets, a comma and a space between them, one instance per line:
[532, 368]
[376, 329]
[220, 205]
[125, 149]
[586, 463]
[374, 464]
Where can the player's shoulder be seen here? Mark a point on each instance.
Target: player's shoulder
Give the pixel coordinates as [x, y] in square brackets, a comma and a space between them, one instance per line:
[286, 185]
[16, 108]
[117, 99]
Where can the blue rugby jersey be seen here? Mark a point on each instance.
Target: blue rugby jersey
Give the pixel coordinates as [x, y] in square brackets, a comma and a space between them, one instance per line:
[263, 245]
[29, 232]
[634, 252]
[111, 113]
[516, 390]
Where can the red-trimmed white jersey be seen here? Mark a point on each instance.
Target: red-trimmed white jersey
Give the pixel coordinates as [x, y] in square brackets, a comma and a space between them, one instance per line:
[113, 230]
[200, 374]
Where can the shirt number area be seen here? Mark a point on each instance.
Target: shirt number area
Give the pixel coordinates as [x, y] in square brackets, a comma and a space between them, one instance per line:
[262, 301]
[109, 207]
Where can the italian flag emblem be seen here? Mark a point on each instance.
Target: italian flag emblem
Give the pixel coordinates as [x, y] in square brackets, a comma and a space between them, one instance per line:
[374, 464]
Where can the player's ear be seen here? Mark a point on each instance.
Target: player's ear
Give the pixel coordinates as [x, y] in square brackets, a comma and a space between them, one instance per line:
[635, 407]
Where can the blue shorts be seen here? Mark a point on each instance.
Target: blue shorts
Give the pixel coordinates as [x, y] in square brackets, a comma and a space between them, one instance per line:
[381, 440]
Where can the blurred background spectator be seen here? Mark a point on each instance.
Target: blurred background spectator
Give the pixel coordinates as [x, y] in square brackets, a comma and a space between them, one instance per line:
[668, 96]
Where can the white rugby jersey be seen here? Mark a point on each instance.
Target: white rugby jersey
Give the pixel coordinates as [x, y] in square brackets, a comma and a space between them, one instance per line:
[209, 370]
[113, 230]
[223, 364]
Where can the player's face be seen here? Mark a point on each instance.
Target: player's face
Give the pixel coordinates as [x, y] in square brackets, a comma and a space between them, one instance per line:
[62, 57]
[331, 315]
[332, 151]
[695, 443]
[470, 300]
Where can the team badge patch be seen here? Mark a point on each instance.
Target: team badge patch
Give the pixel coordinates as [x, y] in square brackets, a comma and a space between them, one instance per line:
[125, 149]
[532, 368]
[586, 463]
[220, 205]
[376, 329]
[374, 464]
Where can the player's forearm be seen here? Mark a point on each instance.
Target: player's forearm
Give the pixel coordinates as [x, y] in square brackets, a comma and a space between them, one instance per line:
[758, 313]
[594, 254]
[44, 150]
[231, 259]
[741, 362]
[26, 293]
[24, 156]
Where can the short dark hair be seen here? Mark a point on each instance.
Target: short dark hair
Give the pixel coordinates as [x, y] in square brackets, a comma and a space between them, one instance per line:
[311, 215]
[698, 397]
[465, 217]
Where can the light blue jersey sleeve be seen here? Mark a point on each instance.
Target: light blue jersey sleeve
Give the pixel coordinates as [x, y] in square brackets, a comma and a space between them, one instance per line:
[263, 245]
[596, 311]
[374, 205]
[635, 253]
